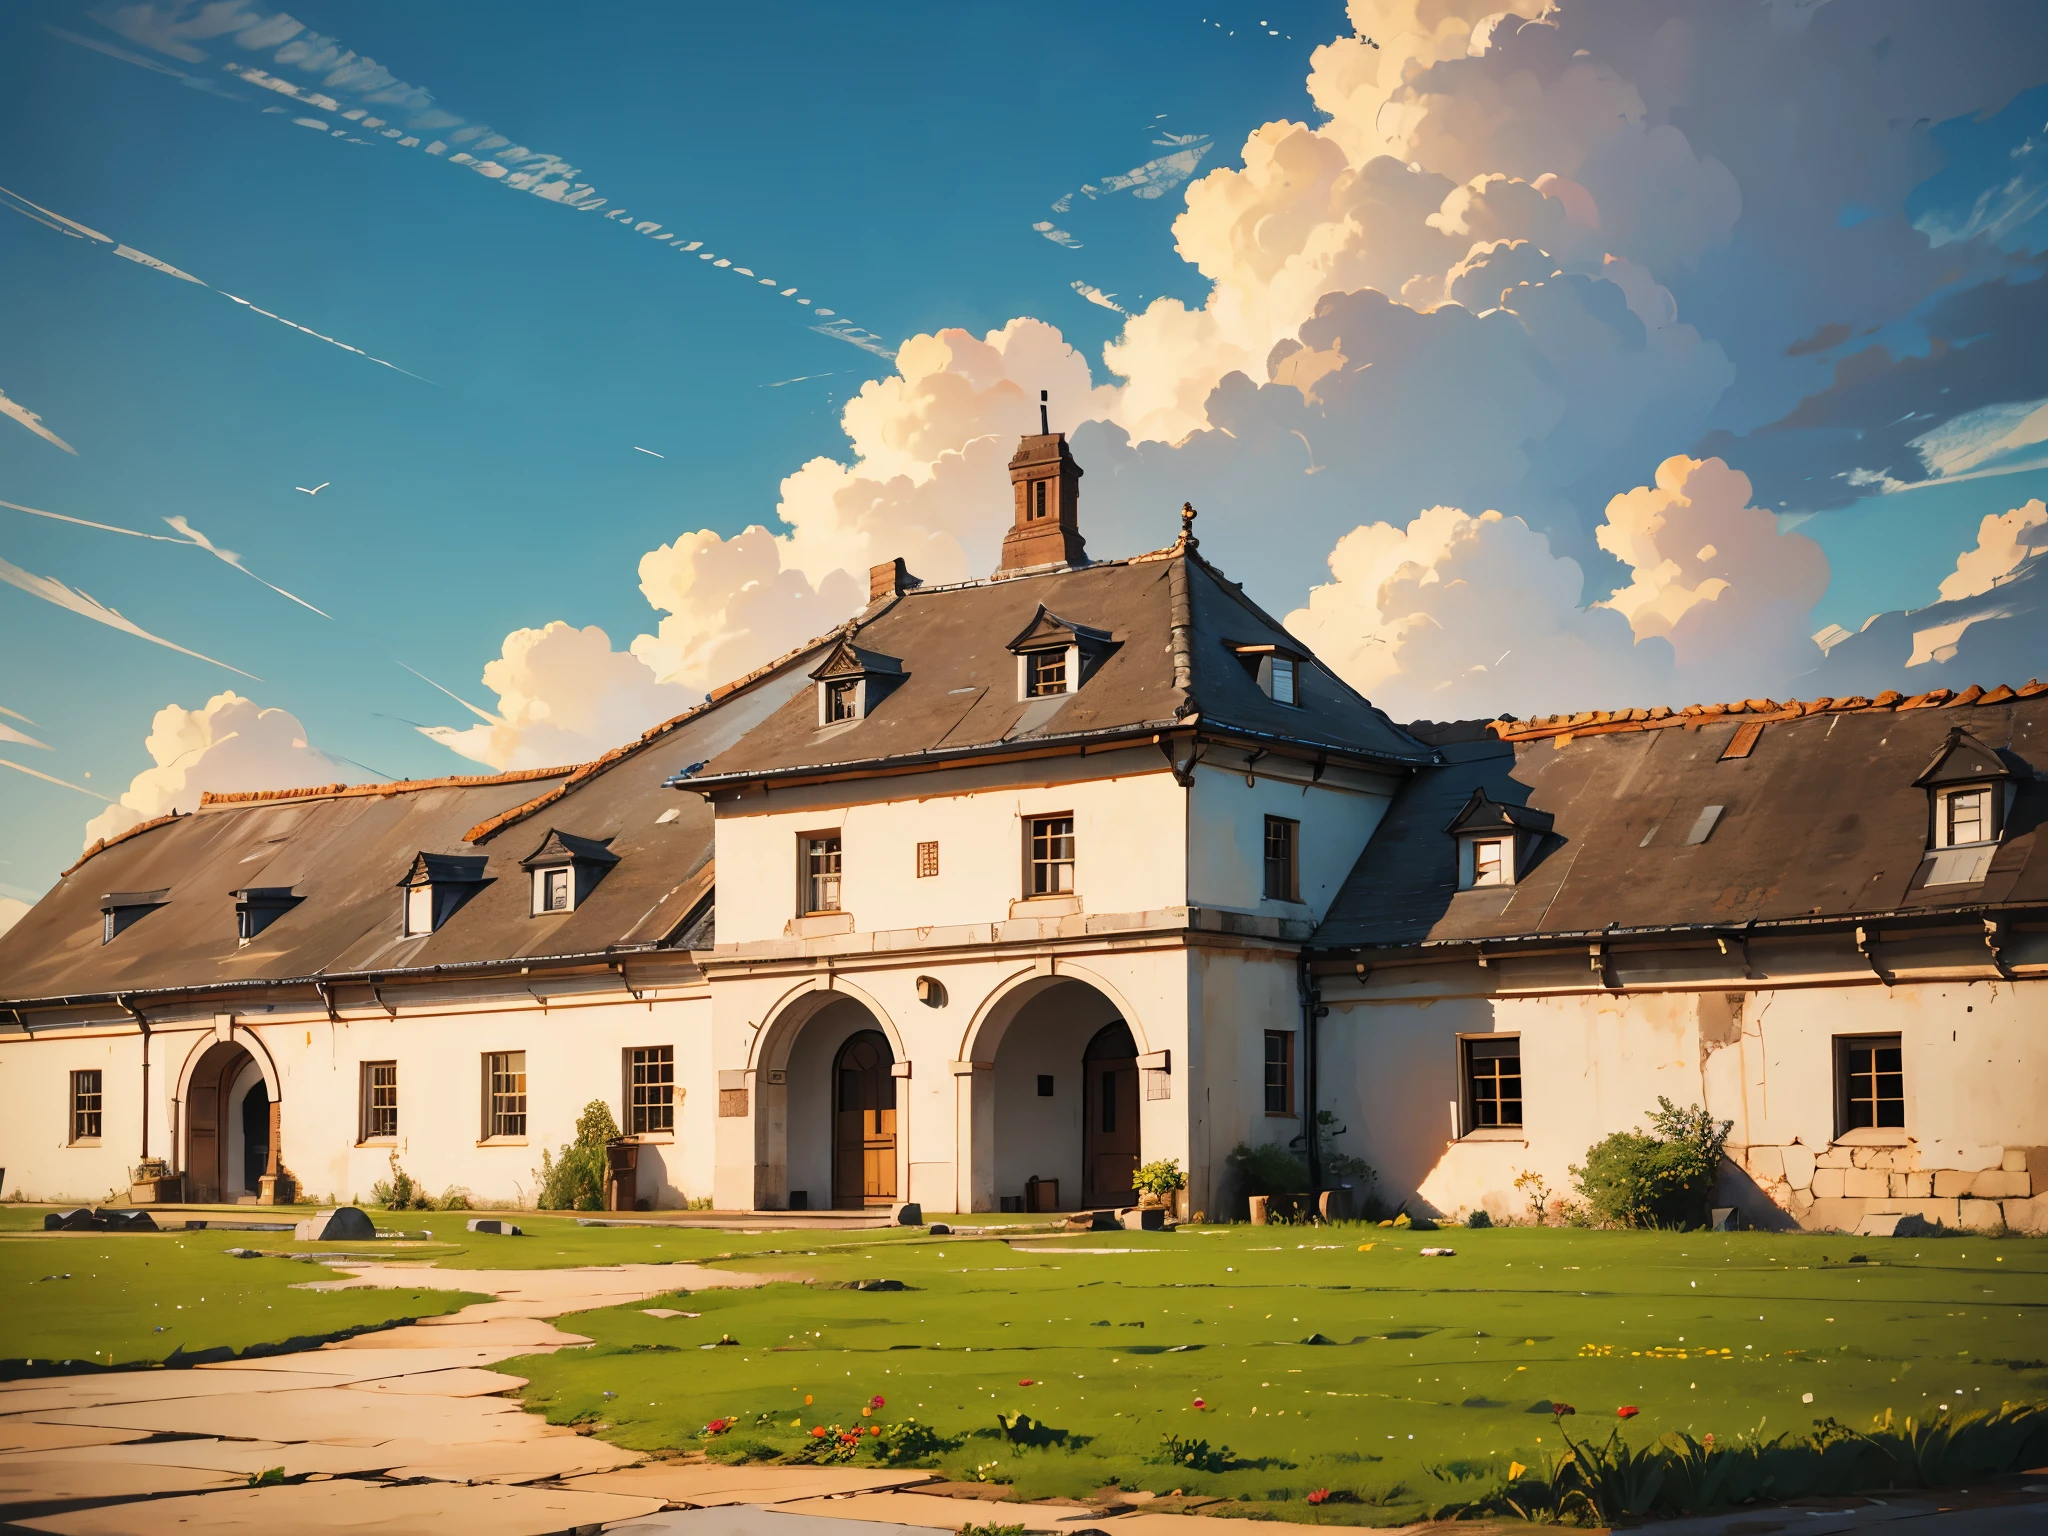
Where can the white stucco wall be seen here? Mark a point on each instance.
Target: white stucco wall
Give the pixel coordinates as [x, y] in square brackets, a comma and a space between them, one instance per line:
[1227, 853]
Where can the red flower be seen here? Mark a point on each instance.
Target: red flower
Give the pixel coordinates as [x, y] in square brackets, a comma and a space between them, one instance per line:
[718, 1426]
[1199, 1403]
[874, 1429]
[1626, 1413]
[1319, 1496]
[817, 1431]
[1561, 1409]
[1027, 1382]
[875, 1401]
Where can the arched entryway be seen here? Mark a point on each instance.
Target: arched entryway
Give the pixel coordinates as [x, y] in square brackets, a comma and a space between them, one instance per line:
[864, 1123]
[1109, 1123]
[230, 1124]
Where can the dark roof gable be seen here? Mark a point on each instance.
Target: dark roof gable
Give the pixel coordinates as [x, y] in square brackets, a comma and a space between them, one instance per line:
[1963, 759]
[445, 869]
[1484, 814]
[1048, 629]
[560, 847]
[849, 660]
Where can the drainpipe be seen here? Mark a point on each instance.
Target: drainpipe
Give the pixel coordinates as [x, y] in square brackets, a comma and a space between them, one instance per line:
[1312, 1009]
[142, 1024]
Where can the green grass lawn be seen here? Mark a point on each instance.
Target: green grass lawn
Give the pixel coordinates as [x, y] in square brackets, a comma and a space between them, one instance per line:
[1379, 1373]
[109, 1298]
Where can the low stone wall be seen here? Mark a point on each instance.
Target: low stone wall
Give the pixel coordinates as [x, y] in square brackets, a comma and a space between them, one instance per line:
[1833, 1188]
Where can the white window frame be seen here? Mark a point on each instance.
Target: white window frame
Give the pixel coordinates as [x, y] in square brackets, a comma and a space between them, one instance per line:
[540, 889]
[1073, 655]
[417, 916]
[811, 883]
[1944, 815]
[859, 690]
[1271, 670]
[1468, 862]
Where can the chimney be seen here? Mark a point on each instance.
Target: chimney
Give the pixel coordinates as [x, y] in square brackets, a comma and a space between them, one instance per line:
[1047, 487]
[890, 580]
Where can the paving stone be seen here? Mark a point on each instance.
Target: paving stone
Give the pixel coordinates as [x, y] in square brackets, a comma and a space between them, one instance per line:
[318, 1413]
[34, 1482]
[104, 1387]
[747, 1520]
[313, 1509]
[951, 1514]
[246, 1457]
[526, 1334]
[25, 1434]
[708, 1484]
[331, 1365]
[518, 1461]
[463, 1381]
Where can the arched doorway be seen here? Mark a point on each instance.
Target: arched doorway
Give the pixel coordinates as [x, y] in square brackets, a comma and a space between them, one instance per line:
[229, 1127]
[1109, 1117]
[863, 1122]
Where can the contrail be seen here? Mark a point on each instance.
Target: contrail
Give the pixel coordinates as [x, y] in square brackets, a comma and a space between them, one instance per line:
[51, 779]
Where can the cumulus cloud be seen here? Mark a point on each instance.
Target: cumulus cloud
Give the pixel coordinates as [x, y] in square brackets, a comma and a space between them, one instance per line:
[564, 696]
[2005, 541]
[12, 911]
[229, 744]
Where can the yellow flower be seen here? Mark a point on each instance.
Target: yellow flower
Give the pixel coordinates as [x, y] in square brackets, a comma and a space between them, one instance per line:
[1516, 1469]
[1366, 1247]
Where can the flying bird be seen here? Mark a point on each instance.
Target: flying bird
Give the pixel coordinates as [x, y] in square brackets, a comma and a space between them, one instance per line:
[314, 490]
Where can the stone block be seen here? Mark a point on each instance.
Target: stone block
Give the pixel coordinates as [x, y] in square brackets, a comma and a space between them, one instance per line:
[2029, 1216]
[494, 1225]
[1936, 1213]
[2037, 1160]
[1836, 1215]
[1918, 1186]
[1765, 1163]
[1980, 1215]
[1144, 1218]
[1996, 1184]
[1801, 1206]
[1893, 1224]
[1886, 1158]
[345, 1224]
[1867, 1184]
[1828, 1182]
[1798, 1166]
[1952, 1183]
[908, 1214]
[1832, 1157]
[2015, 1160]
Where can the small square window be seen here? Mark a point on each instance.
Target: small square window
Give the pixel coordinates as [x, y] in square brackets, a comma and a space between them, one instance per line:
[1038, 499]
[1045, 1085]
[927, 860]
[1493, 1082]
[419, 910]
[1280, 681]
[1052, 855]
[1045, 673]
[842, 700]
[820, 873]
[1279, 1071]
[651, 1085]
[85, 1106]
[380, 1099]
[1870, 1083]
[1490, 864]
[1283, 840]
[553, 890]
[505, 1093]
[1965, 817]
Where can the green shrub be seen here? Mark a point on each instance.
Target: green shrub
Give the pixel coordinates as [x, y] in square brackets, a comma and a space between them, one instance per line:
[400, 1192]
[456, 1197]
[1661, 1180]
[1267, 1169]
[574, 1180]
[1161, 1178]
[1335, 1164]
[739, 1451]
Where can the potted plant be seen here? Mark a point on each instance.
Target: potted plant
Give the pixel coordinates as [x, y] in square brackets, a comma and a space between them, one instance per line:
[1157, 1183]
[151, 1182]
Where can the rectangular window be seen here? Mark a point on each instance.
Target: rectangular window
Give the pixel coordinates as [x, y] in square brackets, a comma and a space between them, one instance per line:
[1052, 855]
[1038, 499]
[554, 890]
[841, 702]
[820, 873]
[419, 910]
[1279, 1071]
[380, 1099]
[505, 1093]
[1282, 681]
[1493, 1082]
[1283, 839]
[927, 860]
[1045, 1085]
[85, 1106]
[651, 1089]
[1871, 1077]
[1045, 673]
[1967, 817]
[1490, 861]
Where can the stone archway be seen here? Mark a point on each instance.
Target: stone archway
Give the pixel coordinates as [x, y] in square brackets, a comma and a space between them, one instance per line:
[217, 1091]
[863, 1122]
[796, 1133]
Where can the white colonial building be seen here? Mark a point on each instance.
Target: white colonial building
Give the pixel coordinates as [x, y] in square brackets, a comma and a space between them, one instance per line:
[1003, 888]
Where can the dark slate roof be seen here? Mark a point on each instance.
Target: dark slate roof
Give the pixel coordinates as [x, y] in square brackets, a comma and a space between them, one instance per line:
[959, 691]
[345, 853]
[560, 847]
[1820, 818]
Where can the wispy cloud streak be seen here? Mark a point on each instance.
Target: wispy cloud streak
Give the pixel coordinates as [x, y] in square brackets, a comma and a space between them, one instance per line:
[59, 517]
[52, 779]
[33, 422]
[235, 560]
[51, 590]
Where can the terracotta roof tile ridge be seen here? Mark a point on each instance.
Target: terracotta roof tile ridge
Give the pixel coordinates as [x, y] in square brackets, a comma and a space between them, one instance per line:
[121, 837]
[654, 733]
[1602, 722]
[213, 799]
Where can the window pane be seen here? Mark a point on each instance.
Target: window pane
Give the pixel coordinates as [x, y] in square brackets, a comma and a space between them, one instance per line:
[653, 1074]
[1489, 862]
[1279, 1072]
[1045, 672]
[1873, 1084]
[821, 874]
[1281, 838]
[1493, 1075]
[380, 1098]
[419, 909]
[1967, 821]
[1052, 855]
[85, 1106]
[554, 890]
[1283, 680]
[840, 700]
[508, 1093]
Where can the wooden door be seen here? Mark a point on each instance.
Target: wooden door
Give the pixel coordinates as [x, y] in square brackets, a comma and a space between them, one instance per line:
[864, 1123]
[206, 1124]
[1109, 1127]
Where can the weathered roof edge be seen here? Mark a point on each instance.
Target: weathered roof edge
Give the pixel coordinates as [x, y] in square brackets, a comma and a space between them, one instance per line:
[209, 799]
[121, 837]
[1600, 722]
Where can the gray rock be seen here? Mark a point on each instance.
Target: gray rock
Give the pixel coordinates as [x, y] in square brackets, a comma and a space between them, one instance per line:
[345, 1224]
[1144, 1218]
[1894, 1224]
[242, 1253]
[494, 1225]
[908, 1214]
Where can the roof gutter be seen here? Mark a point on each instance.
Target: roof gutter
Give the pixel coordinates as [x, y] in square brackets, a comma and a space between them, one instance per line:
[1035, 746]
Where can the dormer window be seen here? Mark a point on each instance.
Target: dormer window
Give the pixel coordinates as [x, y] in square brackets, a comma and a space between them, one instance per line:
[565, 869]
[1496, 842]
[434, 886]
[1056, 656]
[852, 681]
[1275, 668]
[121, 910]
[257, 907]
[1969, 787]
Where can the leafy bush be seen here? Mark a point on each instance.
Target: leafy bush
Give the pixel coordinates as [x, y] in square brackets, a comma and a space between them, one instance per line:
[1183, 1451]
[738, 1451]
[1335, 1164]
[574, 1181]
[1660, 1180]
[1161, 1178]
[400, 1192]
[456, 1197]
[1268, 1169]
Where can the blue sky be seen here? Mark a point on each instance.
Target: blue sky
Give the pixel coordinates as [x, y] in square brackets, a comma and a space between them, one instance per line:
[889, 163]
